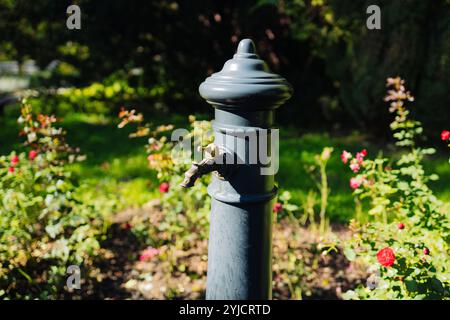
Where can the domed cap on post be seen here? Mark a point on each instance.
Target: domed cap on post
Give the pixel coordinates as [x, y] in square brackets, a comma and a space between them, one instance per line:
[245, 82]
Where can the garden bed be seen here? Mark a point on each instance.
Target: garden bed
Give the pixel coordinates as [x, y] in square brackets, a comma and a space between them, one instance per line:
[300, 268]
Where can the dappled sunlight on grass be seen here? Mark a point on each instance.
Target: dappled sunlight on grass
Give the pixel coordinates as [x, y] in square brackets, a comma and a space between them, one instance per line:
[441, 167]
[298, 151]
[112, 195]
[116, 166]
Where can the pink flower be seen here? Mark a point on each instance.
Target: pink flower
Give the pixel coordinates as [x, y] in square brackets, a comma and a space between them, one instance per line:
[345, 156]
[360, 157]
[11, 170]
[426, 251]
[355, 166]
[164, 187]
[14, 160]
[148, 254]
[445, 135]
[355, 183]
[358, 181]
[277, 207]
[401, 226]
[32, 154]
[326, 153]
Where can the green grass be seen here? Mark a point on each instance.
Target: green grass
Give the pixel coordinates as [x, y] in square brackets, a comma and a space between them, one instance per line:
[116, 170]
[298, 150]
[116, 167]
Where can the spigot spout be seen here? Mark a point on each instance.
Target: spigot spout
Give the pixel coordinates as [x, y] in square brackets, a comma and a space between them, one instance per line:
[214, 161]
[199, 169]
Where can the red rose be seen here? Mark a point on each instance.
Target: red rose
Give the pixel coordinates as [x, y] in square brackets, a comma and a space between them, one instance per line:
[445, 135]
[386, 257]
[11, 170]
[164, 187]
[426, 251]
[363, 152]
[277, 207]
[32, 154]
[14, 160]
[401, 226]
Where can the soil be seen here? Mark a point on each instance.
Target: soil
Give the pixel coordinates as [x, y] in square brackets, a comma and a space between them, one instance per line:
[301, 269]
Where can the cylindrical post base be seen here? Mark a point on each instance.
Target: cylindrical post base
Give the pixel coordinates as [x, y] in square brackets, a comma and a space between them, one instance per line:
[240, 251]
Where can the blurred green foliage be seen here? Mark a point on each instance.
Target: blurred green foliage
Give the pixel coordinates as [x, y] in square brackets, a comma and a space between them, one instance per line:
[337, 65]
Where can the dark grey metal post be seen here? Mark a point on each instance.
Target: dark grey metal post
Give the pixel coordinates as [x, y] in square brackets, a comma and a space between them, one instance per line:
[244, 94]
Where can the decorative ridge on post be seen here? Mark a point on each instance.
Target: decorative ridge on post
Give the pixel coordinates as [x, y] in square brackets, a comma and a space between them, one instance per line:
[246, 81]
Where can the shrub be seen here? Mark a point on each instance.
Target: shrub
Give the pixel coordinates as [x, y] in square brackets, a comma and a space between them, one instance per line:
[185, 213]
[406, 241]
[44, 227]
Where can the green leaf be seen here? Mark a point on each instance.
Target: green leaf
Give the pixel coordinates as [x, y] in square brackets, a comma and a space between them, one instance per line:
[350, 295]
[349, 253]
[436, 284]
[411, 285]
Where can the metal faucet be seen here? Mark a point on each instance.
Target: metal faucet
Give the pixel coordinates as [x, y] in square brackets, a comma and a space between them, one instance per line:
[213, 162]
